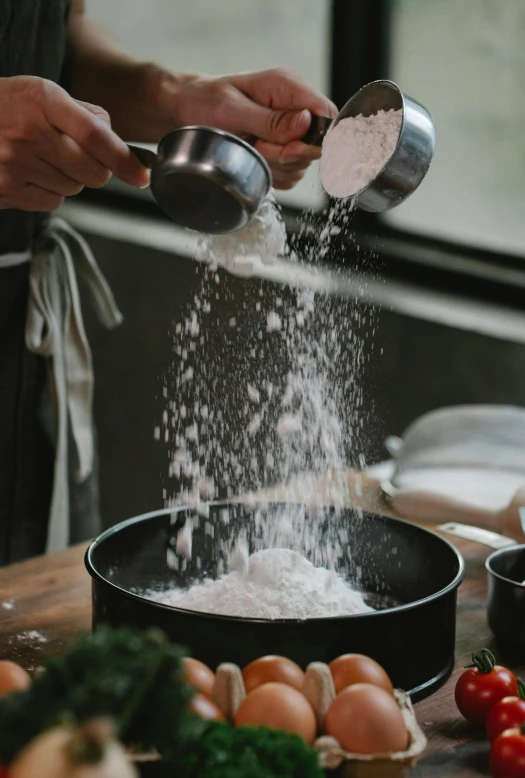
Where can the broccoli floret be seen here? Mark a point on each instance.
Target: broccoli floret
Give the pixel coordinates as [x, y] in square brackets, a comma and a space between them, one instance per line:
[221, 751]
[131, 676]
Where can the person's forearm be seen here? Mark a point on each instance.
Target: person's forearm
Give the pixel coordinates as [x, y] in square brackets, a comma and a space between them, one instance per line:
[135, 94]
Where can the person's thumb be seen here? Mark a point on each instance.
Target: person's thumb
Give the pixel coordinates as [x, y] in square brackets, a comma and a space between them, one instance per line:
[285, 126]
[271, 125]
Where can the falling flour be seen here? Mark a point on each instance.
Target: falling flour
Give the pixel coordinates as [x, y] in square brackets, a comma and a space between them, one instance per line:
[263, 239]
[258, 399]
[356, 150]
[275, 584]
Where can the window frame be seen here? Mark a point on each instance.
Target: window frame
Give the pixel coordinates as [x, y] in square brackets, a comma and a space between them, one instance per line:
[361, 48]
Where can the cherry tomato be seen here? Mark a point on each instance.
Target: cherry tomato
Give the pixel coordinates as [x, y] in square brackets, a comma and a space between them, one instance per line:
[508, 713]
[482, 685]
[507, 754]
[3, 772]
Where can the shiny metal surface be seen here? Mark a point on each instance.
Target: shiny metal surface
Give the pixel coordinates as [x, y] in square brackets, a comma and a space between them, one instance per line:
[207, 180]
[212, 181]
[413, 154]
[506, 596]
[477, 534]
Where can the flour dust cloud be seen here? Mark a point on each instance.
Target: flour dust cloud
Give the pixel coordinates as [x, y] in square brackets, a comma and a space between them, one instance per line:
[265, 389]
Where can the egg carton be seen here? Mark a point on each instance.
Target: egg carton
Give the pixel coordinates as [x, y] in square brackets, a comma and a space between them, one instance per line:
[318, 688]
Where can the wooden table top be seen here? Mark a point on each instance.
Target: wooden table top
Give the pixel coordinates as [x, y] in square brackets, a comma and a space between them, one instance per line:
[45, 602]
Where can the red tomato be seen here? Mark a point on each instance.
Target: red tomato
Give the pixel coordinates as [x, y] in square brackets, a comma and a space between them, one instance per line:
[507, 755]
[3, 772]
[482, 686]
[508, 713]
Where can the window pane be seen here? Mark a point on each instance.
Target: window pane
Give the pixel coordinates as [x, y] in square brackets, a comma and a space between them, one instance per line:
[225, 37]
[465, 60]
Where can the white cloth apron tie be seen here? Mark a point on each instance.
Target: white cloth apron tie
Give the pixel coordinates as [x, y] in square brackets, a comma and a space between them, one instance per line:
[55, 329]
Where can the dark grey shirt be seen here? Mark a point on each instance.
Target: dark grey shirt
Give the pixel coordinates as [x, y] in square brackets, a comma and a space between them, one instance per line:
[32, 43]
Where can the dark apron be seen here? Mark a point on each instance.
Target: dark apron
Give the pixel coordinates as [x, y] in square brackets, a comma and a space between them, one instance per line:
[32, 42]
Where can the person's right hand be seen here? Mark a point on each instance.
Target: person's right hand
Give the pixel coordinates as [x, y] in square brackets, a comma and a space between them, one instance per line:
[51, 146]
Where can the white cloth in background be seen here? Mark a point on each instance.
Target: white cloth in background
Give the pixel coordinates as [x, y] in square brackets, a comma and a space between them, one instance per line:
[15, 258]
[55, 329]
[463, 463]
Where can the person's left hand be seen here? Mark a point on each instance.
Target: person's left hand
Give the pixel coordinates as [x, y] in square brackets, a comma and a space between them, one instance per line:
[271, 109]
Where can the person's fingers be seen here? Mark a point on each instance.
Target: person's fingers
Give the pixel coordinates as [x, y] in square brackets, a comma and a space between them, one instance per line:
[94, 136]
[299, 159]
[48, 177]
[251, 119]
[283, 89]
[286, 180]
[298, 150]
[96, 110]
[65, 154]
[34, 198]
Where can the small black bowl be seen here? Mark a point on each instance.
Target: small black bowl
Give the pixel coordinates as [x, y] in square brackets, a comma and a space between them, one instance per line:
[410, 574]
[506, 596]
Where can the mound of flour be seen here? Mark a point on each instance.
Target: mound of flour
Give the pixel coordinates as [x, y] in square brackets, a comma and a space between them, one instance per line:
[272, 584]
[262, 240]
[356, 150]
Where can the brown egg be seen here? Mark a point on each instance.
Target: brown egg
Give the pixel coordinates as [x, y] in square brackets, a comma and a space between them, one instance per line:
[357, 668]
[367, 720]
[13, 678]
[278, 706]
[205, 708]
[269, 669]
[198, 676]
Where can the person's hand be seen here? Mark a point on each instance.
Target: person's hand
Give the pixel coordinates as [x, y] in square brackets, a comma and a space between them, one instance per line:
[271, 109]
[51, 146]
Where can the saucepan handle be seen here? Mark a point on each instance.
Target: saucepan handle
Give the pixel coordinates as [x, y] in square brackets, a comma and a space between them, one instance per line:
[479, 535]
[318, 128]
[145, 156]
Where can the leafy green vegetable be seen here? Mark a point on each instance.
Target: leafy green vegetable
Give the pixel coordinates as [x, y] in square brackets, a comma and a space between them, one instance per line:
[221, 751]
[135, 678]
[132, 676]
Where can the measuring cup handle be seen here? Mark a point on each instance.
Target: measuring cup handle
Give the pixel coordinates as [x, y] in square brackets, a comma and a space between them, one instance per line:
[145, 156]
[317, 130]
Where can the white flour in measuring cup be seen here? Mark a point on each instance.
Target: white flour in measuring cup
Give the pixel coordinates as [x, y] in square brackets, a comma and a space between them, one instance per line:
[356, 150]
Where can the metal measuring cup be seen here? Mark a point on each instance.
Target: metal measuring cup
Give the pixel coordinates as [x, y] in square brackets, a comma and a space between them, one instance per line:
[212, 181]
[207, 179]
[412, 155]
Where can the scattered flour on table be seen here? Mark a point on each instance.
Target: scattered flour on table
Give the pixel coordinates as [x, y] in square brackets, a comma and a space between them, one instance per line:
[275, 584]
[356, 150]
[8, 605]
[32, 636]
